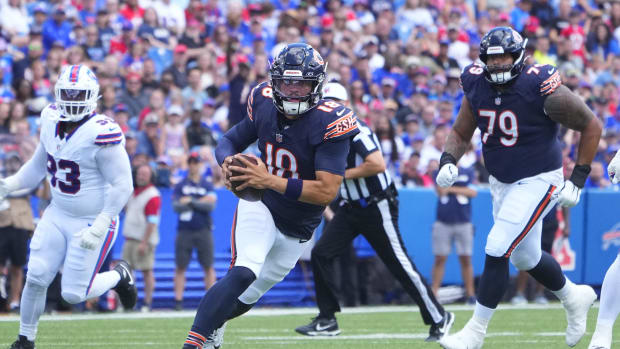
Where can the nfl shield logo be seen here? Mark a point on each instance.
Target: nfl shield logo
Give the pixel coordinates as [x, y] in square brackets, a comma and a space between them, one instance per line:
[278, 137]
[498, 101]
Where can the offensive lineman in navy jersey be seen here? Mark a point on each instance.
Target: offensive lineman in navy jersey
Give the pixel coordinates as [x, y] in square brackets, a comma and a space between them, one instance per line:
[304, 142]
[518, 108]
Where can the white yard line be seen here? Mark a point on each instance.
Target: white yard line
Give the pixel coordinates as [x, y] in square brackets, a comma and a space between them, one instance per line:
[267, 312]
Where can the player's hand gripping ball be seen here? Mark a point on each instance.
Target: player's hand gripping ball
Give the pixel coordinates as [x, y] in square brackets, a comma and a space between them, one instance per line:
[249, 193]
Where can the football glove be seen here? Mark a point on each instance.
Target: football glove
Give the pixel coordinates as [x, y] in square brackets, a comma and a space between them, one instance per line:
[448, 172]
[569, 194]
[91, 237]
[613, 170]
[571, 190]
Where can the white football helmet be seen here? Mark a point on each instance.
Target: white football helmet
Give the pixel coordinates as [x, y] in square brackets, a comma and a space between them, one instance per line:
[77, 92]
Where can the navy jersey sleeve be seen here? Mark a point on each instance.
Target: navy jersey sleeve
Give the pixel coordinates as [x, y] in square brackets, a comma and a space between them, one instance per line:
[546, 77]
[469, 75]
[341, 124]
[332, 156]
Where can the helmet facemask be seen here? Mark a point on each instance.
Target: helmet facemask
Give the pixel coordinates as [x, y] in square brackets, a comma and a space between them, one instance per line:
[296, 95]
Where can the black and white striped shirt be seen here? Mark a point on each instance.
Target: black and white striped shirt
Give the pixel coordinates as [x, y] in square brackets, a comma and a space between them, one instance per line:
[362, 145]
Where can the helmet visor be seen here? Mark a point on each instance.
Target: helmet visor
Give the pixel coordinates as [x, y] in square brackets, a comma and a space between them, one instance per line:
[293, 89]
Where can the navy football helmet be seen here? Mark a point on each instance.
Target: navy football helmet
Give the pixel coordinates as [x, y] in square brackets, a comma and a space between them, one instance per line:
[297, 75]
[502, 40]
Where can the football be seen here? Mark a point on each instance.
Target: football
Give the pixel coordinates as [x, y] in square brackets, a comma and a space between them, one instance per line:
[249, 193]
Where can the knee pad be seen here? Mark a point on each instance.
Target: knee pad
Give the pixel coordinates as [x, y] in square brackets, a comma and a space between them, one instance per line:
[72, 298]
[39, 273]
[524, 259]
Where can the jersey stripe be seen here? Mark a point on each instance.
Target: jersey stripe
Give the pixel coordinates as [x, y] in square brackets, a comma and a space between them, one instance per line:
[109, 135]
[109, 142]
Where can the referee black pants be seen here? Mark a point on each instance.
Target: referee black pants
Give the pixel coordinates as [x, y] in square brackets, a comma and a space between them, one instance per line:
[378, 223]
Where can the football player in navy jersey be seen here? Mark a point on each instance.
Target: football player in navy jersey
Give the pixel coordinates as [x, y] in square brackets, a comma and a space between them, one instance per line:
[304, 142]
[519, 109]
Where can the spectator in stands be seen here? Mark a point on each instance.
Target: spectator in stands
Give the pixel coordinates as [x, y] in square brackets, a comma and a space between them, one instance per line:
[148, 139]
[453, 224]
[57, 29]
[16, 228]
[134, 98]
[178, 67]
[434, 145]
[193, 94]
[141, 230]
[597, 176]
[197, 131]
[411, 176]
[173, 140]
[194, 199]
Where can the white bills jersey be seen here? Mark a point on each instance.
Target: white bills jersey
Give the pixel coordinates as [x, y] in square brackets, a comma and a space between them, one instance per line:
[78, 187]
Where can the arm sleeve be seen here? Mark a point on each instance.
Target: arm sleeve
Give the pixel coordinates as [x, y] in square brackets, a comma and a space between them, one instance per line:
[152, 209]
[113, 163]
[332, 156]
[31, 174]
[203, 206]
[236, 140]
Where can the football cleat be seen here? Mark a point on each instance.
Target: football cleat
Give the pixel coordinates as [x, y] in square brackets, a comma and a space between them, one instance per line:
[577, 308]
[22, 343]
[440, 329]
[320, 327]
[126, 287]
[215, 340]
[467, 338]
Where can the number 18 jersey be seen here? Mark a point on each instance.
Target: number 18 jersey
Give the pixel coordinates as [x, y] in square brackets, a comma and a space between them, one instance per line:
[77, 186]
[519, 140]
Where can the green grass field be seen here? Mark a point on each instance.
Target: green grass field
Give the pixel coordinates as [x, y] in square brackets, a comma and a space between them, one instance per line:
[382, 327]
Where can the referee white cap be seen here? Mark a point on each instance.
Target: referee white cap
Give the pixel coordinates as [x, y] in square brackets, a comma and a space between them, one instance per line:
[334, 90]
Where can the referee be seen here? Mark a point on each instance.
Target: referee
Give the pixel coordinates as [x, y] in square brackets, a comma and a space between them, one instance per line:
[370, 208]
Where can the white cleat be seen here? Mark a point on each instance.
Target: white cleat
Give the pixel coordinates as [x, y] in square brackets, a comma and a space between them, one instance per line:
[463, 339]
[601, 339]
[577, 308]
[218, 336]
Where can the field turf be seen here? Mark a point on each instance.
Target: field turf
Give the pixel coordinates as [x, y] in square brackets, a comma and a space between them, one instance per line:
[368, 327]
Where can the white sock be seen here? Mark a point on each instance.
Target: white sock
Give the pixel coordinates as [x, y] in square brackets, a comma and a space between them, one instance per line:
[564, 293]
[610, 301]
[32, 306]
[480, 319]
[102, 283]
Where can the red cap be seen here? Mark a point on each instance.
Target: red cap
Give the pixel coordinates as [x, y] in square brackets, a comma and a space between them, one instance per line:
[180, 48]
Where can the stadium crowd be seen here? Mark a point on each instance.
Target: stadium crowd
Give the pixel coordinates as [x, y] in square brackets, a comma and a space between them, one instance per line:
[175, 74]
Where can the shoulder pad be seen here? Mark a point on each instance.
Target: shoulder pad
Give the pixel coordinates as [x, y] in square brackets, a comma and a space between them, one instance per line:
[260, 91]
[108, 132]
[545, 76]
[470, 74]
[50, 113]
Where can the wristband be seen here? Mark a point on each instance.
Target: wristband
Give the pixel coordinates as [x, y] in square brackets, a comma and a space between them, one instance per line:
[293, 188]
[579, 175]
[446, 158]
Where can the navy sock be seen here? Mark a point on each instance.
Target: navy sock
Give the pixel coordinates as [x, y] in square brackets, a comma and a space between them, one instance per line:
[239, 309]
[220, 301]
[493, 281]
[548, 272]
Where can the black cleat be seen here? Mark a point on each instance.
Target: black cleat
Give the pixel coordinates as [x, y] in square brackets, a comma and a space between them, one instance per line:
[440, 329]
[22, 343]
[320, 327]
[126, 287]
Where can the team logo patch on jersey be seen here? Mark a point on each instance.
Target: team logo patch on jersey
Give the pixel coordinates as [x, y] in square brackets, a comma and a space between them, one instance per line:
[551, 84]
[341, 126]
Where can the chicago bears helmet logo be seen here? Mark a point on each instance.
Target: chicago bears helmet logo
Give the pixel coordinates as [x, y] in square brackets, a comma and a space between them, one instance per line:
[317, 57]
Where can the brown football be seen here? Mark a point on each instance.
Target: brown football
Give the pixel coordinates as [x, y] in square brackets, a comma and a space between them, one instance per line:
[249, 193]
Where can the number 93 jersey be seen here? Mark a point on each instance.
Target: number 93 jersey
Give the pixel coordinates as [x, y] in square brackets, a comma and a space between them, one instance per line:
[519, 139]
[77, 186]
